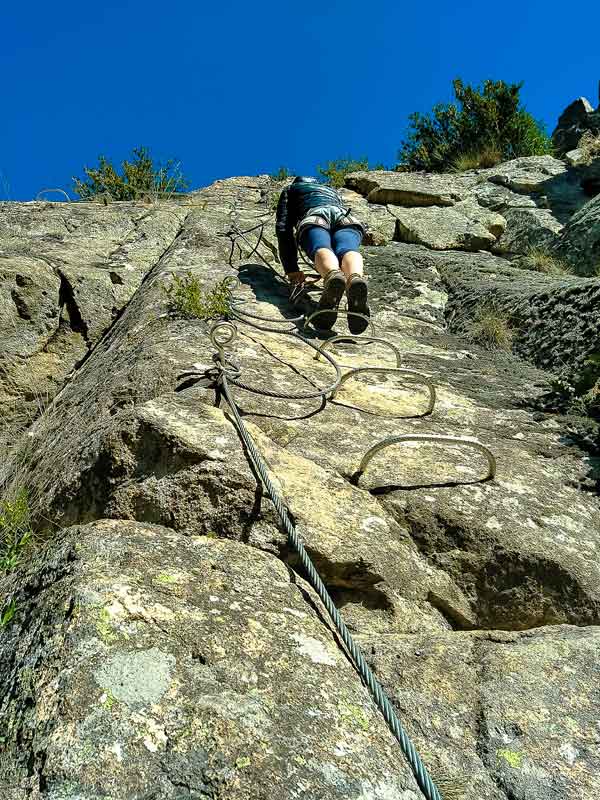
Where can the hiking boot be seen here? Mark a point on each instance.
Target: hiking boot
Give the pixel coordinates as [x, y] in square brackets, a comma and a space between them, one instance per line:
[357, 293]
[333, 289]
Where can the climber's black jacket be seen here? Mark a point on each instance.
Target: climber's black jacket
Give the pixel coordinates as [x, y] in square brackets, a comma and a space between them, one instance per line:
[294, 204]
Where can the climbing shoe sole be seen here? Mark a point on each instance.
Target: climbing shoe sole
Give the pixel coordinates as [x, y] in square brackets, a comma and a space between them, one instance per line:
[329, 301]
[357, 304]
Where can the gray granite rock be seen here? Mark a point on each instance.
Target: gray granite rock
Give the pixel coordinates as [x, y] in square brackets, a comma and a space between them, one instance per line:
[162, 644]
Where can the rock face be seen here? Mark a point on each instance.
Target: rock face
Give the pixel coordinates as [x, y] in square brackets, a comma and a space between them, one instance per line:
[162, 644]
[507, 209]
[576, 119]
[579, 244]
[66, 272]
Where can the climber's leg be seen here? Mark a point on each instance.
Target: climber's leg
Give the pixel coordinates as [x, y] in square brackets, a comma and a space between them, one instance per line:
[316, 242]
[346, 242]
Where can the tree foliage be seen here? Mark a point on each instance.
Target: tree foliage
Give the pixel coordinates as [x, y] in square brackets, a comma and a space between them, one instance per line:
[139, 178]
[335, 171]
[483, 119]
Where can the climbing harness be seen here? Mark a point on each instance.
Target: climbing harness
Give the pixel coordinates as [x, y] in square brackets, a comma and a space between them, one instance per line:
[223, 335]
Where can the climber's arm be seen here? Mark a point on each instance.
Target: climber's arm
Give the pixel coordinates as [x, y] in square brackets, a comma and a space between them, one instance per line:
[288, 253]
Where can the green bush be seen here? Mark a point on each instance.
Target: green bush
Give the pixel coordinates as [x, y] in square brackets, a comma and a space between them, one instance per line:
[140, 178]
[335, 172]
[483, 118]
[189, 300]
[282, 174]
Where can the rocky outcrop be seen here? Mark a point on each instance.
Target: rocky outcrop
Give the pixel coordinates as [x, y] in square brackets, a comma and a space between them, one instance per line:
[465, 226]
[66, 272]
[197, 668]
[553, 319]
[507, 209]
[162, 643]
[576, 119]
[579, 244]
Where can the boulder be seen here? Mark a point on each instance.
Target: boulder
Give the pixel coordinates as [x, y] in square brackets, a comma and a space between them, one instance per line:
[381, 225]
[527, 228]
[464, 226]
[532, 174]
[408, 189]
[169, 666]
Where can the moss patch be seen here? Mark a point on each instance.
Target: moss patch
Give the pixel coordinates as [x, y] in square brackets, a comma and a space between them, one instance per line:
[513, 758]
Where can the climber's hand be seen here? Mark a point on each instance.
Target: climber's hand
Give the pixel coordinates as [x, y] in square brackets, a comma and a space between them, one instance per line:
[296, 278]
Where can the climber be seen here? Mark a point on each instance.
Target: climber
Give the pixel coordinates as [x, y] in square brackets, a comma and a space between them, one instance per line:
[312, 216]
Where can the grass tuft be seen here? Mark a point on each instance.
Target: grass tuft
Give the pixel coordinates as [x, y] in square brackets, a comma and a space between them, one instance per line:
[7, 613]
[491, 329]
[539, 259]
[15, 530]
[487, 156]
[189, 300]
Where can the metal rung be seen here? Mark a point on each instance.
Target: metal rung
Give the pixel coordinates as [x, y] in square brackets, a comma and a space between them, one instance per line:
[409, 373]
[308, 319]
[358, 340]
[430, 439]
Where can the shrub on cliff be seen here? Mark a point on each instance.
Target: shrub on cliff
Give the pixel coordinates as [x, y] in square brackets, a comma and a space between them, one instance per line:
[140, 178]
[335, 171]
[484, 119]
[187, 299]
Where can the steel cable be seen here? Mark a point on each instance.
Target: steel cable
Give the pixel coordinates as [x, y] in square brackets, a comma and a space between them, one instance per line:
[378, 694]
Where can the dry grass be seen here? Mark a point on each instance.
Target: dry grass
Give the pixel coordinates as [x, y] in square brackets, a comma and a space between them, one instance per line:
[487, 156]
[539, 259]
[491, 329]
[589, 145]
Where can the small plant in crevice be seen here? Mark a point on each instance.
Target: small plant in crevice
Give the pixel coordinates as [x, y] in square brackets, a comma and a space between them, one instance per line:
[15, 531]
[7, 613]
[273, 200]
[491, 329]
[540, 259]
[187, 299]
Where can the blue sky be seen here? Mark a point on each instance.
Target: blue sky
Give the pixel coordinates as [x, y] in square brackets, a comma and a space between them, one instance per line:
[241, 88]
